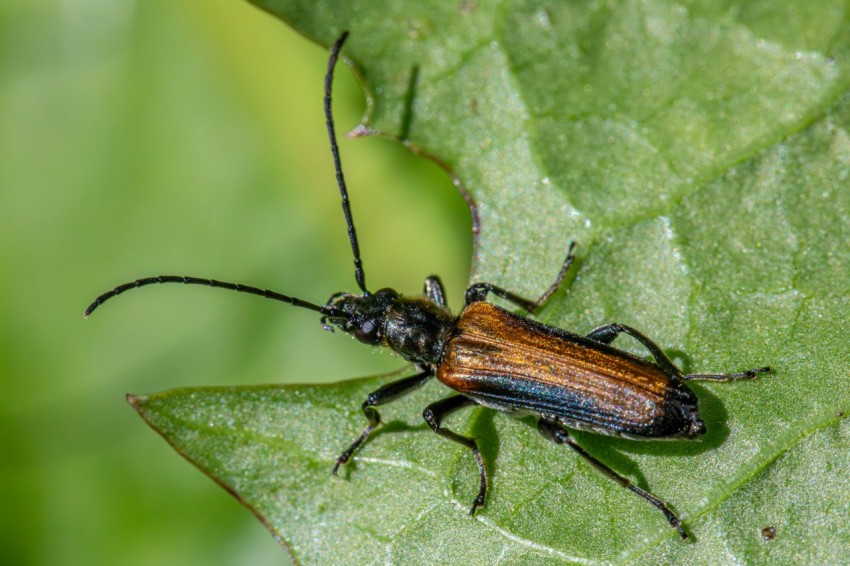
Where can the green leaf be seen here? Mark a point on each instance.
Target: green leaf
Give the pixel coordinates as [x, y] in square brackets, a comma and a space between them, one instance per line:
[699, 154]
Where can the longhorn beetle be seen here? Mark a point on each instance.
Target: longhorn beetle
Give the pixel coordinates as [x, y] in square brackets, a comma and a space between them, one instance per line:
[498, 359]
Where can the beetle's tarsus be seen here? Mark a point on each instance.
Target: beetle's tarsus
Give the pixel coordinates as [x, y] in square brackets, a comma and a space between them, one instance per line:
[746, 374]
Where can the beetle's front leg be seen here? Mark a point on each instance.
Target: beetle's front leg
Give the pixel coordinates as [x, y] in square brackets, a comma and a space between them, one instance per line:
[434, 414]
[558, 434]
[434, 291]
[384, 394]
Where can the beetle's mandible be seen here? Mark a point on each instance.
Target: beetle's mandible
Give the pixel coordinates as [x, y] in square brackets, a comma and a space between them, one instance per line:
[492, 357]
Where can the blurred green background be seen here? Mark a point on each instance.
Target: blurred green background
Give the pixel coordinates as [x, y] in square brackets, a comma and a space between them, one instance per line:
[184, 137]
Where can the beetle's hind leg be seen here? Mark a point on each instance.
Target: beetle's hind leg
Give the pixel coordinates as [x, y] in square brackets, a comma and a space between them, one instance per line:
[478, 291]
[556, 433]
[384, 394]
[434, 414]
[607, 333]
[748, 374]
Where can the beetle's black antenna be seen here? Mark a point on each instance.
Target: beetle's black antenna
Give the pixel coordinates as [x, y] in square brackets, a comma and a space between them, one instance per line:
[210, 283]
[359, 274]
[328, 311]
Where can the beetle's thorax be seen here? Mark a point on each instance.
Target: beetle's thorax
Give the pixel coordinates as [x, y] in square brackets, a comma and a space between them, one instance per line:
[414, 327]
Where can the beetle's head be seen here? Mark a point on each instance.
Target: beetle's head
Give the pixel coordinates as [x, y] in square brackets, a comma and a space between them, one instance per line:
[362, 316]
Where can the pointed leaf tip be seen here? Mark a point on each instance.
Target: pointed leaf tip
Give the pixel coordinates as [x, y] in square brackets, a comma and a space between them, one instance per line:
[136, 401]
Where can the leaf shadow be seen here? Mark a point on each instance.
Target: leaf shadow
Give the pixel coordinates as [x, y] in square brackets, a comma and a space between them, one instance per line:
[483, 430]
[613, 451]
[713, 414]
[480, 427]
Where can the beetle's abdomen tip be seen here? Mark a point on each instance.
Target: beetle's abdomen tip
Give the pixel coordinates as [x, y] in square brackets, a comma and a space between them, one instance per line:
[697, 428]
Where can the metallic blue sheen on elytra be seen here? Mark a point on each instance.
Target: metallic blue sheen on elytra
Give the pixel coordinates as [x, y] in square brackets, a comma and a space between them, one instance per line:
[510, 363]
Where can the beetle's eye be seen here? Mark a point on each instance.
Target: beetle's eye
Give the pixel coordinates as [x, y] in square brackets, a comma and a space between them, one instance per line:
[368, 332]
[389, 293]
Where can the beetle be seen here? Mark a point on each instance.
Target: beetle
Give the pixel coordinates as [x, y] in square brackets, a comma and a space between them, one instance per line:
[492, 357]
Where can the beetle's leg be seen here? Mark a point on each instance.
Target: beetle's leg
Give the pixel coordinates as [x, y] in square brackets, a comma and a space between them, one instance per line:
[434, 291]
[556, 433]
[434, 414]
[606, 334]
[382, 395]
[478, 291]
[748, 374]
